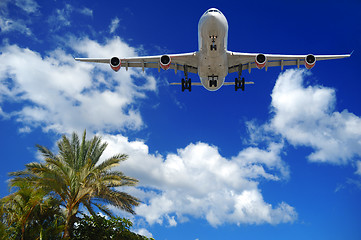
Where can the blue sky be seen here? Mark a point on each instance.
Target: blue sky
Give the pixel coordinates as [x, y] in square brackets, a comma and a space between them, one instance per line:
[278, 161]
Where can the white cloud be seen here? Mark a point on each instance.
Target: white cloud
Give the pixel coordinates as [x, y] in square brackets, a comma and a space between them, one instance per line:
[306, 116]
[19, 23]
[9, 25]
[143, 232]
[64, 95]
[25, 129]
[61, 17]
[86, 11]
[197, 181]
[28, 6]
[114, 25]
[3, 5]
[253, 158]
[3, 115]
[358, 167]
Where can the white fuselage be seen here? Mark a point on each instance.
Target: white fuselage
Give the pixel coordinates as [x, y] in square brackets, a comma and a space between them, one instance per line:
[212, 54]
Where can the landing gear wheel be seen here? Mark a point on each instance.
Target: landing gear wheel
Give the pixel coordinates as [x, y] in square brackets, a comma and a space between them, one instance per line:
[239, 84]
[186, 84]
[213, 47]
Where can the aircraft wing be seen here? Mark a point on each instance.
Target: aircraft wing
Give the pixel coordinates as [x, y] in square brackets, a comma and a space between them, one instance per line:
[247, 60]
[178, 62]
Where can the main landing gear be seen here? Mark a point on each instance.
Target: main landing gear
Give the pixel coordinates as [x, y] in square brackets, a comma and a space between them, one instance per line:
[239, 83]
[186, 83]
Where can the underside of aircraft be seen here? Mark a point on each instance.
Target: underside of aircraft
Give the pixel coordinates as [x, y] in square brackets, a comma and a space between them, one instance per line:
[213, 62]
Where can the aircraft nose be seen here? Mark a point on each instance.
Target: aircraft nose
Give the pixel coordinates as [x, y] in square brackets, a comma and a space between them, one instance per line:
[212, 17]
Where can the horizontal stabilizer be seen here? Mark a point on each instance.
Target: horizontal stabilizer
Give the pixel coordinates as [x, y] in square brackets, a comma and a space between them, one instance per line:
[233, 83]
[193, 83]
[200, 84]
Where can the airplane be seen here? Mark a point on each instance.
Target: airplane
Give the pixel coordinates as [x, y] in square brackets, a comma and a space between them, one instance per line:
[213, 62]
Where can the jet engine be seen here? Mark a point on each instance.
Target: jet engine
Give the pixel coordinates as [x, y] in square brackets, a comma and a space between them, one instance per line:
[310, 61]
[260, 61]
[115, 63]
[165, 62]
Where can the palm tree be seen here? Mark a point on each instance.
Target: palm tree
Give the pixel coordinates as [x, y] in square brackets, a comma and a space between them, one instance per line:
[27, 210]
[77, 177]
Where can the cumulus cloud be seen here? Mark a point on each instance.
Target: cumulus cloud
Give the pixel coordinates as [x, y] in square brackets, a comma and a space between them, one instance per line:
[306, 116]
[144, 232]
[63, 95]
[197, 181]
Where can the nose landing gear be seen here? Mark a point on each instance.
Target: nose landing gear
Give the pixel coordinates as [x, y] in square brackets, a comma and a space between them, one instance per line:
[213, 81]
[213, 46]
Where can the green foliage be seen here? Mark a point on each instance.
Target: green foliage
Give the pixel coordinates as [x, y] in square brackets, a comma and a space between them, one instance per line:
[3, 233]
[27, 212]
[75, 177]
[98, 227]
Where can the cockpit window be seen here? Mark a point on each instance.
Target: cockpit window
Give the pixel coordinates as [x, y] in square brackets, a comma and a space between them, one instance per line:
[213, 10]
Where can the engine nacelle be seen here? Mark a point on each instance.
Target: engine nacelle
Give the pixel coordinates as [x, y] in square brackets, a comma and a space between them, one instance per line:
[261, 61]
[115, 63]
[165, 61]
[310, 61]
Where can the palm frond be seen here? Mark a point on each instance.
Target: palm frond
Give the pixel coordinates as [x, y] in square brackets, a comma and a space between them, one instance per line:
[90, 209]
[118, 199]
[45, 151]
[104, 209]
[82, 149]
[65, 151]
[109, 163]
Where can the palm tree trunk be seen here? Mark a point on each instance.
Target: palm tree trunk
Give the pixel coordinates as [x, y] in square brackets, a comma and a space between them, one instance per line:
[41, 233]
[22, 231]
[69, 221]
[68, 224]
